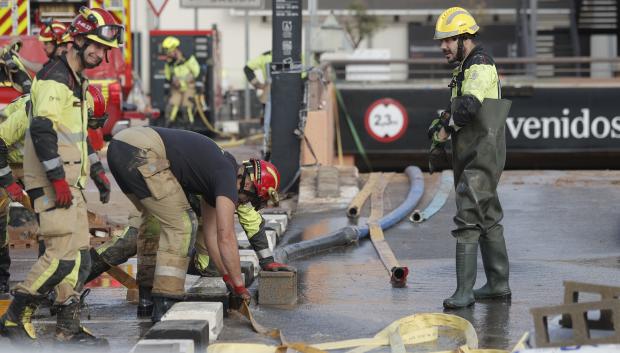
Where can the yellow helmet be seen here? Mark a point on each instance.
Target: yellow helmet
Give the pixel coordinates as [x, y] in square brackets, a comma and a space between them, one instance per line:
[453, 22]
[170, 43]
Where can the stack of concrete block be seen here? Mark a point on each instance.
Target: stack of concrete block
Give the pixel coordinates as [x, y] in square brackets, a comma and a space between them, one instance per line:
[324, 188]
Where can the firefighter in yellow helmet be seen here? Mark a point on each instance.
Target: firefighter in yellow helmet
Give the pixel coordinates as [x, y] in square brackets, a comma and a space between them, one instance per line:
[56, 168]
[475, 123]
[181, 74]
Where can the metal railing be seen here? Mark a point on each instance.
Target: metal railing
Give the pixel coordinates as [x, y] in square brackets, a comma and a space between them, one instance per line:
[523, 69]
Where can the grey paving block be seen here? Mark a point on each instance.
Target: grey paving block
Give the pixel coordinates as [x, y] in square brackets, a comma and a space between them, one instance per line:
[210, 311]
[163, 346]
[209, 289]
[195, 330]
[277, 288]
[281, 218]
[275, 226]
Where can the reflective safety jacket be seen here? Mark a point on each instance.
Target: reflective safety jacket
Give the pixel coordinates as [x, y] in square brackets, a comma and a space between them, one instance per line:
[186, 71]
[473, 81]
[12, 132]
[56, 143]
[258, 63]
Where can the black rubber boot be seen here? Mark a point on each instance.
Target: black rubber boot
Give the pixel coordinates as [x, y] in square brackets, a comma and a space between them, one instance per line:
[496, 267]
[466, 254]
[97, 265]
[69, 328]
[5, 264]
[16, 323]
[145, 303]
[160, 306]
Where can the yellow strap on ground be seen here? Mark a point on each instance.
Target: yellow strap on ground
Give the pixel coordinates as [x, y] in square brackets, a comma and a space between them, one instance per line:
[419, 336]
[358, 201]
[413, 329]
[522, 343]
[258, 328]
[376, 233]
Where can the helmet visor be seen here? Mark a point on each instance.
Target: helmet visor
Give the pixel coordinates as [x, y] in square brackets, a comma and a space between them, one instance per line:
[110, 33]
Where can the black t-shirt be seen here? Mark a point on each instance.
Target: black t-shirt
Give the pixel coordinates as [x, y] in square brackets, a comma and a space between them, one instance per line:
[200, 165]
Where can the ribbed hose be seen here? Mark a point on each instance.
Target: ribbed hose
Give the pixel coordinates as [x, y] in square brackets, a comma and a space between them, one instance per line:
[351, 234]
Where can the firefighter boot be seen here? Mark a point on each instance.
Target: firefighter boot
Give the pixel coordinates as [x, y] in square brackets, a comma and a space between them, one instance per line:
[5, 263]
[97, 265]
[16, 323]
[145, 303]
[495, 261]
[160, 306]
[466, 254]
[69, 328]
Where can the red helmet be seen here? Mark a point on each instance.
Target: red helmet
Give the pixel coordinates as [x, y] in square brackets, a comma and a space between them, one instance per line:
[97, 25]
[265, 178]
[54, 31]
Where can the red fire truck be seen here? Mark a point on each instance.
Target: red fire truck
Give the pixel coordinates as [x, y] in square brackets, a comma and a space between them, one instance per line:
[22, 19]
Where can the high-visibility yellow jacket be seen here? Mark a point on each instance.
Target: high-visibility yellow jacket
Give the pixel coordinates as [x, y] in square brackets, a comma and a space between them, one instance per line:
[472, 81]
[56, 143]
[186, 71]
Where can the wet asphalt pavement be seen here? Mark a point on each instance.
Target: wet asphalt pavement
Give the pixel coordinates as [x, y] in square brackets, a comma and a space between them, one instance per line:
[558, 226]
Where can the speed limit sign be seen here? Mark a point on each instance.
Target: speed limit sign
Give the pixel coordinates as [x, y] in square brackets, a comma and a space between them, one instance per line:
[386, 120]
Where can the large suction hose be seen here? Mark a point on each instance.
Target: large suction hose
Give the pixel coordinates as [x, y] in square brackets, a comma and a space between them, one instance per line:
[351, 234]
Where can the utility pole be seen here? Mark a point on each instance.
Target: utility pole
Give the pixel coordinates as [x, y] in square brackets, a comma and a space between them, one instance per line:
[286, 88]
[246, 95]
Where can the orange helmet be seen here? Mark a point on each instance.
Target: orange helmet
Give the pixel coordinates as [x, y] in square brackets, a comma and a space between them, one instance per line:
[96, 107]
[54, 31]
[99, 26]
[264, 177]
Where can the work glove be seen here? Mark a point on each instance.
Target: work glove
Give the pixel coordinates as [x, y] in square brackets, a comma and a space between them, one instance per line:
[438, 159]
[15, 191]
[238, 291]
[63, 193]
[97, 174]
[278, 267]
[442, 121]
[103, 184]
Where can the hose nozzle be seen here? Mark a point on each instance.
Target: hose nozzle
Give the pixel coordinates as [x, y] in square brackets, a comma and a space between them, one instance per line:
[399, 276]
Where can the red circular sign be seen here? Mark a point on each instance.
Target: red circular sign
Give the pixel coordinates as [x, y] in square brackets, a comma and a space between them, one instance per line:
[386, 120]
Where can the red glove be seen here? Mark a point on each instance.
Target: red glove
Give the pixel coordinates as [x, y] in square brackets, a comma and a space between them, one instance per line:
[63, 193]
[16, 193]
[103, 184]
[276, 266]
[239, 291]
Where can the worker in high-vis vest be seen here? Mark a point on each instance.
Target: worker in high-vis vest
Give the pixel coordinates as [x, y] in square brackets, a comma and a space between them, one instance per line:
[476, 124]
[181, 74]
[12, 135]
[156, 168]
[143, 241]
[56, 168]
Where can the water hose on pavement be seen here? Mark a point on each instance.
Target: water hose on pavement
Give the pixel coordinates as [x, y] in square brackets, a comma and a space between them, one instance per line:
[351, 234]
[441, 196]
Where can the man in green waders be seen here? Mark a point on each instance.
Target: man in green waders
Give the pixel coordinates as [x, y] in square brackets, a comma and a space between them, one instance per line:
[475, 123]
